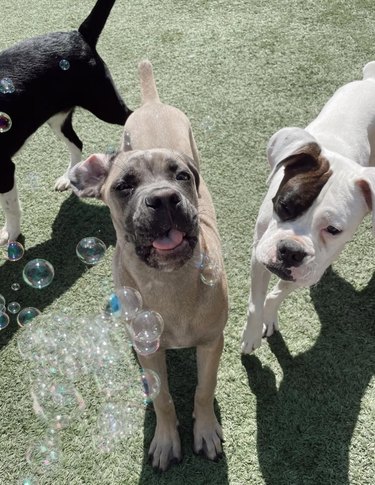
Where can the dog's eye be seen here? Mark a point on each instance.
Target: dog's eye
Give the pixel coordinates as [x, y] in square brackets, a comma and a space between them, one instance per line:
[333, 230]
[123, 186]
[183, 176]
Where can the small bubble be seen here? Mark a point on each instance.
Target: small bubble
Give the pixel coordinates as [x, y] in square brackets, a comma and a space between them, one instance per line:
[145, 331]
[2, 303]
[91, 250]
[208, 124]
[5, 122]
[26, 315]
[4, 320]
[14, 307]
[64, 64]
[150, 384]
[210, 270]
[38, 273]
[15, 250]
[15, 286]
[6, 86]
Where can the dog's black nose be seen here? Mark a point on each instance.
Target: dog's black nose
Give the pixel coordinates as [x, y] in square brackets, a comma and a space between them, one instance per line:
[163, 199]
[290, 253]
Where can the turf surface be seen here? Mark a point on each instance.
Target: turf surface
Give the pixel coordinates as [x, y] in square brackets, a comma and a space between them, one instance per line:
[301, 409]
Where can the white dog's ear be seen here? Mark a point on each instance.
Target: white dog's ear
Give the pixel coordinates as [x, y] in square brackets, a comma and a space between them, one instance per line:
[88, 176]
[367, 186]
[288, 142]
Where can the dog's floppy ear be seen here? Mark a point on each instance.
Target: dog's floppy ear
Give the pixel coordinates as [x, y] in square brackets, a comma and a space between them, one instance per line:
[290, 145]
[367, 185]
[88, 176]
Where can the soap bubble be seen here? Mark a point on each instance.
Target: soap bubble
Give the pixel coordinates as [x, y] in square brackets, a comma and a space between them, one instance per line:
[113, 305]
[208, 123]
[6, 86]
[127, 141]
[116, 420]
[5, 122]
[38, 273]
[44, 454]
[2, 303]
[91, 250]
[145, 331]
[28, 481]
[4, 320]
[130, 302]
[15, 286]
[15, 250]
[64, 64]
[14, 307]
[57, 402]
[150, 384]
[210, 270]
[26, 315]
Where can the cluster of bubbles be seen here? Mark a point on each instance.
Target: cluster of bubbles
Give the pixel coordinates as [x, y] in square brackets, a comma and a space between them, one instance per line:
[61, 349]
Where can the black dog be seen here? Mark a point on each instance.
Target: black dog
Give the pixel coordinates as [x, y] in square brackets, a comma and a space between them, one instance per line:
[43, 79]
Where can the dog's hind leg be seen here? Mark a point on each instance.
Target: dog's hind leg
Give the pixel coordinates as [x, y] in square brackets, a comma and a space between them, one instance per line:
[61, 124]
[10, 205]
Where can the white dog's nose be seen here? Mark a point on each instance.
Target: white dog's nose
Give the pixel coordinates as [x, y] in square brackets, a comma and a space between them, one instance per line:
[290, 252]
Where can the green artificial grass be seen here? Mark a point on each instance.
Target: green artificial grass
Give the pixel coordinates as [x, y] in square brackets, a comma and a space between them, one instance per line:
[301, 409]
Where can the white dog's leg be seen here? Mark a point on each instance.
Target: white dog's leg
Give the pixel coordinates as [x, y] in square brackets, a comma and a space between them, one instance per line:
[252, 333]
[272, 305]
[61, 124]
[12, 211]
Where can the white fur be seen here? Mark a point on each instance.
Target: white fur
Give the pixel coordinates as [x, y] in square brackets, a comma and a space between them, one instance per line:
[12, 211]
[345, 132]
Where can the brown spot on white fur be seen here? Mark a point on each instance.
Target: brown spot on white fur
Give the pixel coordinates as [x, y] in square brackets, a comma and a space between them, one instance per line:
[306, 173]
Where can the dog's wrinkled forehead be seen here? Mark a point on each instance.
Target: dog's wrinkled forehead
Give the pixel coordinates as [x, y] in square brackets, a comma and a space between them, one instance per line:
[149, 165]
[305, 174]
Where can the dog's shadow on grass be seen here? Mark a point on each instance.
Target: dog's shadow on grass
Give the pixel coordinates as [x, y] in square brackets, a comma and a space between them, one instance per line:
[305, 426]
[182, 381]
[74, 221]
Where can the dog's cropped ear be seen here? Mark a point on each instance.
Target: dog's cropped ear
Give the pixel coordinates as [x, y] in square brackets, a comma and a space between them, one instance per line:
[291, 146]
[367, 185]
[88, 176]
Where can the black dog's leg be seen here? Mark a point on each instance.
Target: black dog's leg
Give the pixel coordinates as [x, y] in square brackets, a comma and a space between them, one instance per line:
[61, 124]
[9, 203]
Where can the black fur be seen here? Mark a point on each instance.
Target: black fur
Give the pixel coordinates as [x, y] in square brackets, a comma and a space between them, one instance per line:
[43, 89]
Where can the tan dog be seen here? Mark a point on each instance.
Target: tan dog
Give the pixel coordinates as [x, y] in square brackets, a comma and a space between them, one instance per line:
[164, 219]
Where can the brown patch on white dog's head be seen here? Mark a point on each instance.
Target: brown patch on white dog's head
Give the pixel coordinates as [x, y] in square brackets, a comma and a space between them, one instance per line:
[367, 187]
[305, 175]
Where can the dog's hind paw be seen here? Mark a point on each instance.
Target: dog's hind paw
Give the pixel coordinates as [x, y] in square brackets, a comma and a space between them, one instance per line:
[62, 183]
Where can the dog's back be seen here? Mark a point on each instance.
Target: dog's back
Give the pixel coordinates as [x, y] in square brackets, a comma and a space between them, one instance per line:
[155, 124]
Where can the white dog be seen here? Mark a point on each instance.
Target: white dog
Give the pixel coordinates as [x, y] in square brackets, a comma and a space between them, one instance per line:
[320, 188]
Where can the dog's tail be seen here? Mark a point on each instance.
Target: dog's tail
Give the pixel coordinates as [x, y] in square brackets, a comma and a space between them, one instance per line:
[148, 86]
[369, 71]
[92, 27]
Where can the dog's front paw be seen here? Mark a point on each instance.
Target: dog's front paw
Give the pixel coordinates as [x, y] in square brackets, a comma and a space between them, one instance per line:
[270, 322]
[251, 337]
[165, 448]
[62, 183]
[208, 437]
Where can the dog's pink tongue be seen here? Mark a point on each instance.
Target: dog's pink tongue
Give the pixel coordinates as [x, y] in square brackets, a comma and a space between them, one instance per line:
[170, 241]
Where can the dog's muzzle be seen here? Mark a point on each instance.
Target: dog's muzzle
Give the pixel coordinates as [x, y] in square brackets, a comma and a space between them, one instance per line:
[167, 229]
[289, 254]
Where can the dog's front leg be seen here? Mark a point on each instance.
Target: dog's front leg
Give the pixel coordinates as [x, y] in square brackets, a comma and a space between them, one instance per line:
[165, 448]
[272, 304]
[208, 434]
[252, 333]
[12, 211]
